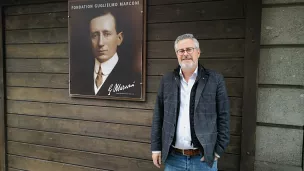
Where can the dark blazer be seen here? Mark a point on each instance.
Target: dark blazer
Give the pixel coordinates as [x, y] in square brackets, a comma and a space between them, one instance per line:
[122, 74]
[211, 113]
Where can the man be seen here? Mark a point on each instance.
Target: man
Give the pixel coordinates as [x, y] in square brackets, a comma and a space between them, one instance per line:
[190, 128]
[109, 76]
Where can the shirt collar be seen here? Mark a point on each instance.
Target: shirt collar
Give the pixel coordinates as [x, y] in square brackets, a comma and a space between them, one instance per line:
[107, 66]
[192, 76]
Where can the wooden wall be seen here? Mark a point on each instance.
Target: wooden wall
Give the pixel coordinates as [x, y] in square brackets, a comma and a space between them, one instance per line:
[47, 130]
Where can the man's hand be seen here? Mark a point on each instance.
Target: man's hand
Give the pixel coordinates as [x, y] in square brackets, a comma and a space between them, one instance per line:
[156, 159]
[203, 159]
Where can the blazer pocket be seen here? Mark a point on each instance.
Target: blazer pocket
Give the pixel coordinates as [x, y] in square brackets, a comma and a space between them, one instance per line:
[209, 97]
[208, 138]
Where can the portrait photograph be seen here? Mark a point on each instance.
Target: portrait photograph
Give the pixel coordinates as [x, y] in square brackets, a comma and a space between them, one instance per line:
[107, 49]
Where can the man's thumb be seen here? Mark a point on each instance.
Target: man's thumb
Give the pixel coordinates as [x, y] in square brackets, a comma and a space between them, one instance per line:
[159, 159]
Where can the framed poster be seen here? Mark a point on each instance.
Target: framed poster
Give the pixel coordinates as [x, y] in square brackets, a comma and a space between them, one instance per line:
[107, 51]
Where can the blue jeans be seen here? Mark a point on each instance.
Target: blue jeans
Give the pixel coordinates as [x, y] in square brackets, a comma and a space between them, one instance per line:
[179, 162]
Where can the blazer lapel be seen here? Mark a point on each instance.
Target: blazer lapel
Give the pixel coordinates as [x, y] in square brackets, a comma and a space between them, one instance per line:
[200, 87]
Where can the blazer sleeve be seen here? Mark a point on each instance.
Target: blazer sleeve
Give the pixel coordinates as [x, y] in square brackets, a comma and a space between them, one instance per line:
[223, 117]
[157, 122]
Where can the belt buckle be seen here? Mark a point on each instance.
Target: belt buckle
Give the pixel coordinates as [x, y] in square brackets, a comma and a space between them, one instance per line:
[185, 153]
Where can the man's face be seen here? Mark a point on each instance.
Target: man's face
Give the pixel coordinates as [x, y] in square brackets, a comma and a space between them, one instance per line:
[104, 37]
[187, 54]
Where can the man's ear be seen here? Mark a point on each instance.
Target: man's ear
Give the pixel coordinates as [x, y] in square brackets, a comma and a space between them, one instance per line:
[119, 38]
[199, 52]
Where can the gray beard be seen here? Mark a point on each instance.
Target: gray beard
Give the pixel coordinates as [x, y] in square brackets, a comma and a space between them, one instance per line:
[188, 66]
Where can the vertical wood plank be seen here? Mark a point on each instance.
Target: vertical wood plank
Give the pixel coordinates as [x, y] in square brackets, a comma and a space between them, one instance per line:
[2, 95]
[253, 10]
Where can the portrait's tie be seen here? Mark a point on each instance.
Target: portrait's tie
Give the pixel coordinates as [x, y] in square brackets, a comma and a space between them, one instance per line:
[98, 80]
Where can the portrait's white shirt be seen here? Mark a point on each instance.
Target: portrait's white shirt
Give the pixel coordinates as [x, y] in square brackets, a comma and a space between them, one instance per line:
[106, 67]
[183, 131]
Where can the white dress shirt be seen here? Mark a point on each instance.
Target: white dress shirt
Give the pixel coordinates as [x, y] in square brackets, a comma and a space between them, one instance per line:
[106, 67]
[183, 131]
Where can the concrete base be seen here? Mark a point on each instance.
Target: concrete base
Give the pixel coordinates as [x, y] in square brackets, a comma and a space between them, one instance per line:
[265, 166]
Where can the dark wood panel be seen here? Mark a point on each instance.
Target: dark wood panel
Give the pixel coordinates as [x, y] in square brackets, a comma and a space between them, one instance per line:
[234, 85]
[22, 2]
[90, 159]
[218, 29]
[37, 80]
[37, 51]
[195, 11]
[3, 162]
[46, 20]
[209, 48]
[92, 113]
[231, 164]
[236, 106]
[150, 2]
[80, 158]
[252, 55]
[160, 2]
[228, 67]
[167, 13]
[36, 8]
[30, 164]
[12, 169]
[96, 129]
[38, 65]
[89, 128]
[84, 143]
[55, 35]
[98, 145]
[61, 96]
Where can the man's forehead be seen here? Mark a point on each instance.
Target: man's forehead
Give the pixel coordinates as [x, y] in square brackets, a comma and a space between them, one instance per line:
[185, 43]
[104, 21]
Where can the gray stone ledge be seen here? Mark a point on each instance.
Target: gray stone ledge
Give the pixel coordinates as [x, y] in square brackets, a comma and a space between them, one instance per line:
[281, 1]
[266, 166]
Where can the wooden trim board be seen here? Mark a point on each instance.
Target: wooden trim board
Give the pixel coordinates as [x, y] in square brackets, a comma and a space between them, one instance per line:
[253, 10]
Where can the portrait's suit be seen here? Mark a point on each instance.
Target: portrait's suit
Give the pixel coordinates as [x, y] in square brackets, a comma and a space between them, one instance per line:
[121, 74]
[211, 114]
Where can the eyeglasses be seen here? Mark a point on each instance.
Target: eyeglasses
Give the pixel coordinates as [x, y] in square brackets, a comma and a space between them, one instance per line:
[189, 50]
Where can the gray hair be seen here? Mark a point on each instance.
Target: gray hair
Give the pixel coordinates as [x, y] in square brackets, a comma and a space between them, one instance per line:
[186, 36]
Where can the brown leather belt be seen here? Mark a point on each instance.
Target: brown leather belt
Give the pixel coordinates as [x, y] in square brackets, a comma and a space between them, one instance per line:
[188, 152]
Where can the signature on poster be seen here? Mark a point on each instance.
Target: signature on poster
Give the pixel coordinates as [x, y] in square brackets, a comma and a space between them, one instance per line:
[119, 87]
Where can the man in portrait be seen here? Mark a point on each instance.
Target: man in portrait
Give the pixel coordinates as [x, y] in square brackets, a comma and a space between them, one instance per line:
[108, 73]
